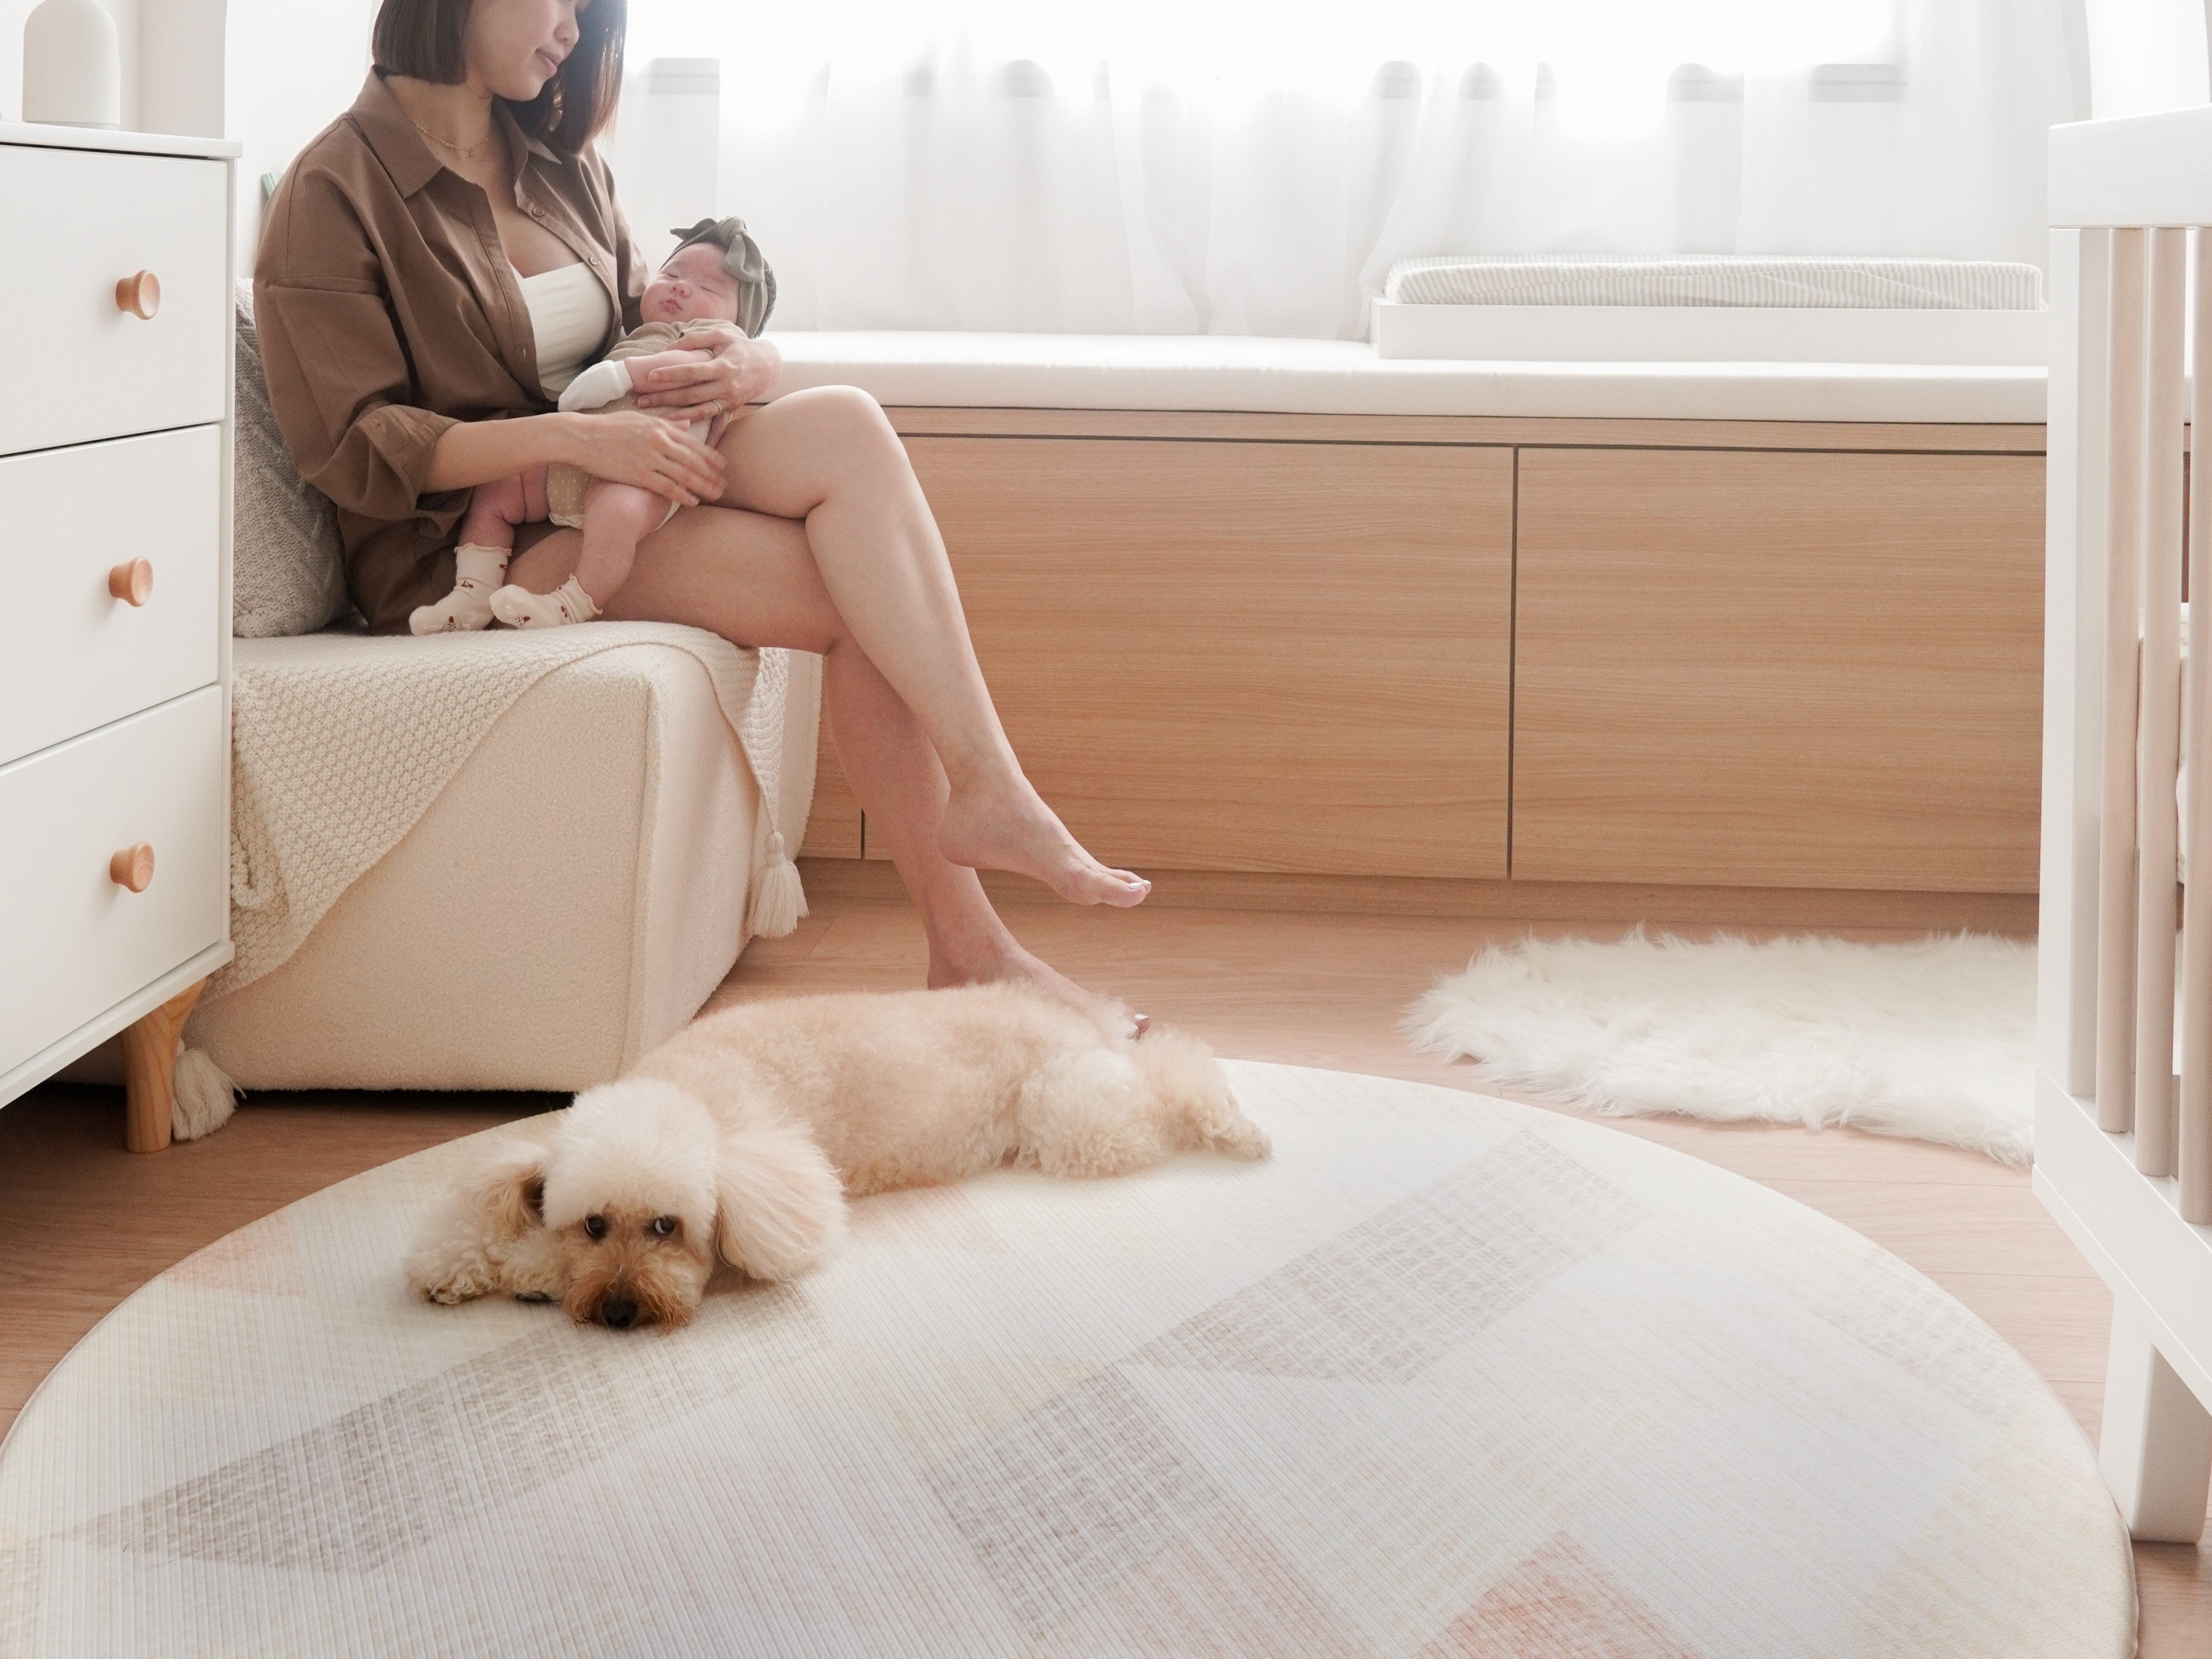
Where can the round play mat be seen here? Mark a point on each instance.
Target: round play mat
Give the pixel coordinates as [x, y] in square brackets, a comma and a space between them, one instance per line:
[1445, 1376]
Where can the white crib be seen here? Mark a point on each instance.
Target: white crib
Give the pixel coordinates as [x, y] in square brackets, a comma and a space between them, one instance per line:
[2124, 1131]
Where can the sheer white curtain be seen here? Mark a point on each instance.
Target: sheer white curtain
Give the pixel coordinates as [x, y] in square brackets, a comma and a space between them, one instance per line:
[1214, 166]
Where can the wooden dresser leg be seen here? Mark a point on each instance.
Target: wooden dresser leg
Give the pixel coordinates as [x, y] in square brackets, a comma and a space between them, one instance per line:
[149, 1071]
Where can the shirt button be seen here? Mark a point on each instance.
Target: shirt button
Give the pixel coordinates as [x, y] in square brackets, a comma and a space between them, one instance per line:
[537, 213]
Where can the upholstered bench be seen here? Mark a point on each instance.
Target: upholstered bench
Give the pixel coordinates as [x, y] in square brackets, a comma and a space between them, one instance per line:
[570, 895]
[568, 898]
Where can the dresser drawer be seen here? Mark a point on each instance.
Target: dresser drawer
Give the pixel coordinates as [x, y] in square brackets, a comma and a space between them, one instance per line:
[79, 367]
[76, 943]
[73, 655]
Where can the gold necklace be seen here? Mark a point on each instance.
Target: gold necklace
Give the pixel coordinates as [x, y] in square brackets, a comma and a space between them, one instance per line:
[466, 153]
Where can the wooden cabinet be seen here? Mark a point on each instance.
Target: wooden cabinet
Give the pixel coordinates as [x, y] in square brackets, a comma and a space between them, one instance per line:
[1245, 656]
[1779, 669]
[1696, 654]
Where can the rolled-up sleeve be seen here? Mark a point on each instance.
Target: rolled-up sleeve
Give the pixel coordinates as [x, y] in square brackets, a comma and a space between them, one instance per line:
[338, 378]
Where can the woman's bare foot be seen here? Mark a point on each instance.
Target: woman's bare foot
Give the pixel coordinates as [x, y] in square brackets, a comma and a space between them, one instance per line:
[1009, 828]
[1007, 961]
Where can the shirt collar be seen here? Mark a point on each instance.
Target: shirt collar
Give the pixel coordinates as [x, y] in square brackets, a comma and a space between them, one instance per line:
[520, 149]
[399, 144]
[393, 137]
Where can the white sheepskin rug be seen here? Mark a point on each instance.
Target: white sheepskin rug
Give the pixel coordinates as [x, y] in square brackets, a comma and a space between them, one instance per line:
[1933, 1040]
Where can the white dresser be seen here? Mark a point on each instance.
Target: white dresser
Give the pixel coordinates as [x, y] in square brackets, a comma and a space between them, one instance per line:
[115, 505]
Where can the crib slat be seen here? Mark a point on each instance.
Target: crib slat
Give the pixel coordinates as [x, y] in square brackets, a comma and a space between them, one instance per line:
[2196, 1151]
[2158, 920]
[2116, 838]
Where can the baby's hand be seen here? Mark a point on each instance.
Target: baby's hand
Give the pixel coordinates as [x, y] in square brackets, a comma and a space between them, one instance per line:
[717, 388]
[597, 387]
[642, 368]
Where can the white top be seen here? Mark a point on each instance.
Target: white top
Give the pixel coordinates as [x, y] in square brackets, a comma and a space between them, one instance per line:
[569, 314]
[1345, 377]
[44, 136]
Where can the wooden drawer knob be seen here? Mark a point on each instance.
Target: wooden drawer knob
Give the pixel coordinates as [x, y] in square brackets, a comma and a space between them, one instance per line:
[140, 295]
[133, 867]
[132, 583]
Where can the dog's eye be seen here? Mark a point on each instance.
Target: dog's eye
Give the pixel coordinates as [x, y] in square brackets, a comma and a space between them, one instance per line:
[595, 1226]
[663, 1225]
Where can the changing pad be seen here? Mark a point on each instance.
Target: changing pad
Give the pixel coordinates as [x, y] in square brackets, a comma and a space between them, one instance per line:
[1623, 279]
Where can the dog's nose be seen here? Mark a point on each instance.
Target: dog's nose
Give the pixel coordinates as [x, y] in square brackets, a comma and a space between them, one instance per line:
[618, 1313]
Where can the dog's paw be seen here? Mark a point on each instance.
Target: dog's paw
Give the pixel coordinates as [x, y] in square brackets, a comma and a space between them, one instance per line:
[451, 1286]
[1239, 1137]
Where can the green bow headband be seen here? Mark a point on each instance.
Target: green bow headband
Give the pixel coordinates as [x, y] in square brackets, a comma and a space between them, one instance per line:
[743, 259]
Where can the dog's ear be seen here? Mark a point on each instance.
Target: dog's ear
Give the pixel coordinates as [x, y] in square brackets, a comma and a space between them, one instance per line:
[510, 1189]
[781, 1206]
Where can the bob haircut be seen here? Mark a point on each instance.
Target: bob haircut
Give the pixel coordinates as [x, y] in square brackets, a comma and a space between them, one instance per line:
[422, 39]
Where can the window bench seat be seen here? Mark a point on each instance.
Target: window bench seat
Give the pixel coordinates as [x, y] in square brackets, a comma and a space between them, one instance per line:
[1345, 377]
[1690, 641]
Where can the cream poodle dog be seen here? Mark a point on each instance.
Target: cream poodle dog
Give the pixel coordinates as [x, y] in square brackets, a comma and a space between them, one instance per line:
[738, 1139]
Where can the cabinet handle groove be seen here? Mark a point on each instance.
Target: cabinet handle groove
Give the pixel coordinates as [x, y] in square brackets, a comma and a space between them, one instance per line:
[133, 867]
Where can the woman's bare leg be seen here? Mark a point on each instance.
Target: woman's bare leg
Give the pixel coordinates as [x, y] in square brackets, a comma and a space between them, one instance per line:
[828, 456]
[752, 580]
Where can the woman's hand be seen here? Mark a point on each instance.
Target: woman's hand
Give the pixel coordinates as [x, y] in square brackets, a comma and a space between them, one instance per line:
[716, 388]
[650, 452]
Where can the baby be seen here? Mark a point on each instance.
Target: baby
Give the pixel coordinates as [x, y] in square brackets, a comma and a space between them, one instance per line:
[715, 278]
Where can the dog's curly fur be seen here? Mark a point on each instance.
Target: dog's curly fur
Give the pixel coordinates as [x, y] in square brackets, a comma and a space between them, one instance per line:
[736, 1141]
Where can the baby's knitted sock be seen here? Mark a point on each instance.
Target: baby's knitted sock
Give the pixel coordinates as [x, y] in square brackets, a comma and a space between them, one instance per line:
[476, 571]
[518, 607]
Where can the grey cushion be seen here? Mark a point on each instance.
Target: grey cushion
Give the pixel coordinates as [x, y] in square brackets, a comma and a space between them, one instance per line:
[288, 573]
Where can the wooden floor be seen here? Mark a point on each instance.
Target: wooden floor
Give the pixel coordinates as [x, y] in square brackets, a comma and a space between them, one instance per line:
[90, 1223]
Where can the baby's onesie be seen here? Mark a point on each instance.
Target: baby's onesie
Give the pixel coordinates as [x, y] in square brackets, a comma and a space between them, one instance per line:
[565, 484]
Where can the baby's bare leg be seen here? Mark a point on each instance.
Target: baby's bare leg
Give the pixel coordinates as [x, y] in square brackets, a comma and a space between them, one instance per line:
[487, 540]
[616, 518]
[495, 508]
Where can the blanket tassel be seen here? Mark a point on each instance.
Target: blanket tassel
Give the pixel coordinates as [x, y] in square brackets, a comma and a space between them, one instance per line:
[203, 1097]
[779, 900]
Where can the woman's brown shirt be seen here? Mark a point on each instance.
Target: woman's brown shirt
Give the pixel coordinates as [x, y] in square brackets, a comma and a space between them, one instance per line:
[388, 312]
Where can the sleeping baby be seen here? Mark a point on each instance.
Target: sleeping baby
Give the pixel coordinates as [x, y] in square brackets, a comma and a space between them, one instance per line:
[715, 278]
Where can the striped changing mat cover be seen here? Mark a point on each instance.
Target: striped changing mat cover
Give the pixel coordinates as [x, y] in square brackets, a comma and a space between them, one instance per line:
[1617, 279]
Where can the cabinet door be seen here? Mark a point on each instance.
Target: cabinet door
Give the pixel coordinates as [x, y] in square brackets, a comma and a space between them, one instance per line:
[1774, 669]
[1245, 656]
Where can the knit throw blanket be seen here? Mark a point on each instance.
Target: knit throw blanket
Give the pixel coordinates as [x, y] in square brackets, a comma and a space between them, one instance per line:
[340, 742]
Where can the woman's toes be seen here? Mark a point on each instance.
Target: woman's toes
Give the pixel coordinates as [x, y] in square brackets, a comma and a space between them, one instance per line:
[1096, 885]
[1019, 833]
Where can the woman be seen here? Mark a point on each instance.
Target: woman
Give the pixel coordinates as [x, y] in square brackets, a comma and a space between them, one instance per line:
[421, 277]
